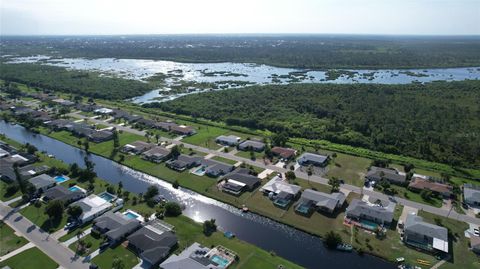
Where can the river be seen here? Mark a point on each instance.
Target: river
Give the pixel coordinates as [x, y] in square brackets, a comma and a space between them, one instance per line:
[285, 241]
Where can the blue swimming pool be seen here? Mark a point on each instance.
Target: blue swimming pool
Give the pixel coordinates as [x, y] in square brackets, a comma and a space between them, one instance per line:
[74, 188]
[60, 179]
[222, 262]
[199, 171]
[131, 215]
[107, 196]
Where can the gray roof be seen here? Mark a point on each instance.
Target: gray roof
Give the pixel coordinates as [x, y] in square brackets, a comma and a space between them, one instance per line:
[115, 225]
[63, 194]
[192, 257]
[42, 181]
[416, 225]
[139, 146]
[375, 173]
[321, 199]
[216, 168]
[100, 135]
[152, 244]
[230, 139]
[242, 175]
[471, 193]
[256, 145]
[361, 209]
[312, 158]
[157, 152]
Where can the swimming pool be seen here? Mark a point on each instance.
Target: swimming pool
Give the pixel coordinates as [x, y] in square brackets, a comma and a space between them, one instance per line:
[130, 215]
[74, 188]
[369, 225]
[60, 179]
[199, 171]
[107, 196]
[222, 262]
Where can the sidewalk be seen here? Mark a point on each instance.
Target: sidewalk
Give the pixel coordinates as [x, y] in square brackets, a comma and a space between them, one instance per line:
[75, 238]
[17, 251]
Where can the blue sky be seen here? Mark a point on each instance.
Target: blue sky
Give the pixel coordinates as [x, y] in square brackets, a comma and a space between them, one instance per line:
[396, 17]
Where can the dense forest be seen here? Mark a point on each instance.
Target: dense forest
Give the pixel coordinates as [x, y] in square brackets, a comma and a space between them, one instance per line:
[438, 121]
[84, 83]
[303, 51]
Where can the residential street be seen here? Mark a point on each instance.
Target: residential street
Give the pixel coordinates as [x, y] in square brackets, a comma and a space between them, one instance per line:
[42, 240]
[314, 178]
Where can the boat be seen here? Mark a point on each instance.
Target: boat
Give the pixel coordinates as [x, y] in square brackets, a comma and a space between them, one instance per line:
[244, 208]
[423, 262]
[400, 259]
[229, 235]
[344, 247]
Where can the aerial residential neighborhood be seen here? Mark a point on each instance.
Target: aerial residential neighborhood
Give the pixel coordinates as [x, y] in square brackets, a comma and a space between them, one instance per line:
[239, 134]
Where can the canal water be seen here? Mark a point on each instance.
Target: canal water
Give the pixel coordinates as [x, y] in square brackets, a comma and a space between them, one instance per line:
[285, 241]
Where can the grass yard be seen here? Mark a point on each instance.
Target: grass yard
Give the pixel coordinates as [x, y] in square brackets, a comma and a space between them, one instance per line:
[416, 197]
[8, 240]
[206, 136]
[105, 259]
[73, 233]
[38, 217]
[6, 196]
[350, 168]
[30, 259]
[90, 240]
[189, 232]
[248, 154]
[223, 160]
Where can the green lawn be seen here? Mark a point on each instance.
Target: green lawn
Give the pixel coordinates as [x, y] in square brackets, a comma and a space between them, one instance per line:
[39, 218]
[8, 240]
[248, 154]
[73, 233]
[350, 168]
[89, 239]
[4, 196]
[105, 259]
[30, 259]
[223, 160]
[416, 197]
[206, 136]
[189, 232]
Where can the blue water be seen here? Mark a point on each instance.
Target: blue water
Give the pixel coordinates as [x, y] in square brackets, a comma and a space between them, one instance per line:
[60, 179]
[74, 188]
[107, 196]
[130, 215]
[220, 261]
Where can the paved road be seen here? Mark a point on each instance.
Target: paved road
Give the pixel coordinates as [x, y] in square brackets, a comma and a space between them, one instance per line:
[50, 246]
[314, 178]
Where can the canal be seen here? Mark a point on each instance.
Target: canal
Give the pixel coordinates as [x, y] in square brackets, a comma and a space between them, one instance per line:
[285, 241]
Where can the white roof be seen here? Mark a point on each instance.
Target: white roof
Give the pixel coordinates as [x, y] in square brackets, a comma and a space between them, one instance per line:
[440, 244]
[236, 182]
[91, 205]
[277, 185]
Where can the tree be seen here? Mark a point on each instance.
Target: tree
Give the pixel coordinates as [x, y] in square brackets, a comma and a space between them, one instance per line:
[174, 152]
[118, 263]
[279, 139]
[332, 239]
[426, 194]
[31, 149]
[157, 137]
[290, 176]
[121, 158]
[74, 169]
[86, 145]
[408, 167]
[151, 192]
[116, 142]
[334, 183]
[209, 227]
[74, 211]
[173, 209]
[54, 209]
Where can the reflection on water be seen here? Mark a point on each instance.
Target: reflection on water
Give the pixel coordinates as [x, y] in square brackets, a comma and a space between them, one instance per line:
[233, 75]
[292, 244]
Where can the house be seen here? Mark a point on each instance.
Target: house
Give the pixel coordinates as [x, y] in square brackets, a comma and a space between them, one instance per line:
[230, 140]
[197, 256]
[42, 182]
[136, 147]
[92, 206]
[475, 244]
[7, 171]
[471, 195]
[100, 136]
[63, 102]
[215, 168]
[86, 107]
[248, 145]
[183, 162]
[115, 226]
[423, 235]
[165, 125]
[80, 129]
[281, 192]
[156, 154]
[284, 153]
[147, 123]
[419, 184]
[239, 181]
[327, 202]
[307, 159]
[21, 110]
[103, 110]
[62, 194]
[59, 124]
[182, 130]
[378, 173]
[379, 212]
[152, 242]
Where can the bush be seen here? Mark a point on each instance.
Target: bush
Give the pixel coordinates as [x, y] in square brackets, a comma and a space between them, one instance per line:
[209, 227]
[172, 209]
[332, 239]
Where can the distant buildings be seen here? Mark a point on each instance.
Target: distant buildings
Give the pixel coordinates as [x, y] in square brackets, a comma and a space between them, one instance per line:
[423, 235]
[377, 174]
[183, 162]
[136, 147]
[251, 145]
[471, 195]
[312, 159]
[229, 140]
[419, 184]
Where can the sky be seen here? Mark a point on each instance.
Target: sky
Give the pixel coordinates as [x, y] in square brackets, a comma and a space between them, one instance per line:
[99, 17]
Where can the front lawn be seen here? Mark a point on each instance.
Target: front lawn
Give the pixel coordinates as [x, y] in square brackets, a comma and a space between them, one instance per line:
[105, 259]
[6, 196]
[73, 233]
[92, 244]
[8, 240]
[30, 259]
[38, 217]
